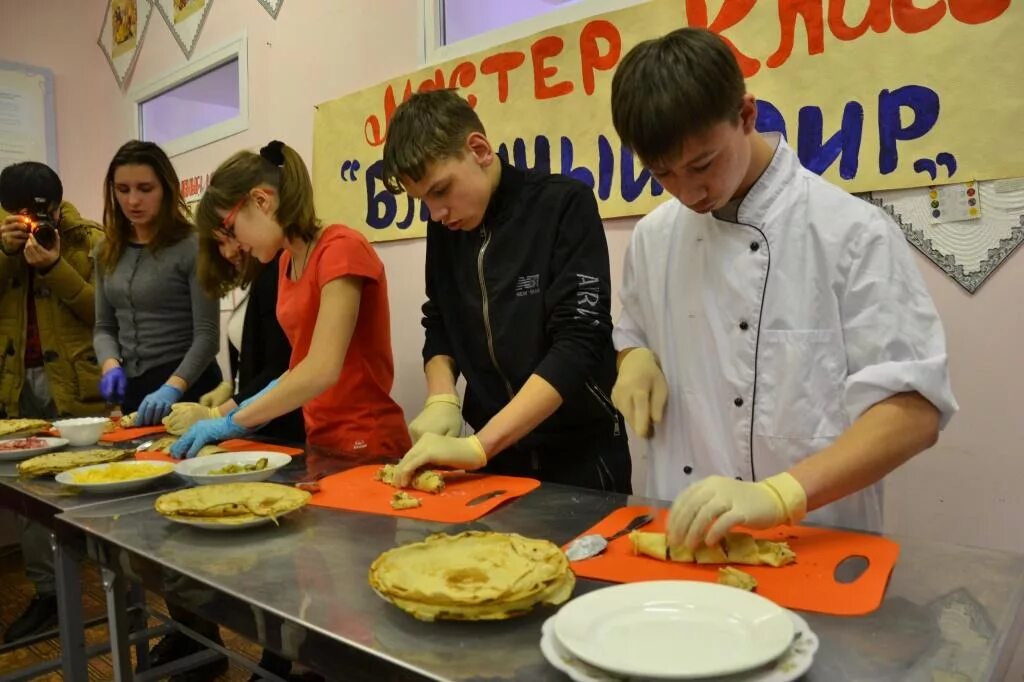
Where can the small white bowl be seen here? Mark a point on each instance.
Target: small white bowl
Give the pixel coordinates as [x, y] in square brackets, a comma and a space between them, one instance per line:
[82, 431]
[198, 469]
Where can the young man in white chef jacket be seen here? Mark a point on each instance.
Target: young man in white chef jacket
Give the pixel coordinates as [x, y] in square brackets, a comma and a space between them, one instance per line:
[776, 343]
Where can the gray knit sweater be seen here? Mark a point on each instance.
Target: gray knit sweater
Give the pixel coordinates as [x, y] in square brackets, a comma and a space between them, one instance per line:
[151, 311]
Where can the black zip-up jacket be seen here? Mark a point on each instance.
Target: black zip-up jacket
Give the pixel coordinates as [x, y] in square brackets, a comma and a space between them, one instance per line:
[265, 352]
[527, 292]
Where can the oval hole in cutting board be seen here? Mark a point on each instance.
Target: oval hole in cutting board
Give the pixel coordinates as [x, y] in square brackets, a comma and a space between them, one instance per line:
[850, 569]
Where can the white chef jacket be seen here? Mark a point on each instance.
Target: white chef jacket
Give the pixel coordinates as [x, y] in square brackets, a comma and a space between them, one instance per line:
[776, 330]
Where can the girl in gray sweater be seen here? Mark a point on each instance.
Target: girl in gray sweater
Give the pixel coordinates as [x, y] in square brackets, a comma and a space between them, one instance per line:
[157, 332]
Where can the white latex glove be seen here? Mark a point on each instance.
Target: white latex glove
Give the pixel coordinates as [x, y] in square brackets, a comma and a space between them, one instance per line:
[184, 415]
[446, 451]
[640, 391]
[442, 414]
[218, 396]
[707, 510]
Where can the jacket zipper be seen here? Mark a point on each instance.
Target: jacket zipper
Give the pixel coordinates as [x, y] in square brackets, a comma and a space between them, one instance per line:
[487, 308]
[604, 402]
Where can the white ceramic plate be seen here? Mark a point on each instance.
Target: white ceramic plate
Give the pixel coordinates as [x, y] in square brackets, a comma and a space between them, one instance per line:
[67, 478]
[674, 629]
[213, 525]
[198, 469]
[16, 455]
[790, 666]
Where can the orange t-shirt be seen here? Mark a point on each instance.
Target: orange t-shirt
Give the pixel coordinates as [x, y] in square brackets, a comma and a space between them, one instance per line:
[356, 415]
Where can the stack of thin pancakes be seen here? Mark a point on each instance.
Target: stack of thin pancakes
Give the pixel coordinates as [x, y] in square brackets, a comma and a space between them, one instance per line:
[231, 503]
[474, 575]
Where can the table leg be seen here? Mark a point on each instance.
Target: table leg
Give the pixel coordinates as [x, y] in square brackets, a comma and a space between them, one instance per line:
[116, 592]
[67, 567]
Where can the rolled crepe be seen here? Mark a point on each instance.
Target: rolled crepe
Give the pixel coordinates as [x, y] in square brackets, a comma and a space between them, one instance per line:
[737, 548]
[403, 500]
[680, 553]
[734, 577]
[742, 549]
[428, 481]
[775, 553]
[710, 555]
[649, 544]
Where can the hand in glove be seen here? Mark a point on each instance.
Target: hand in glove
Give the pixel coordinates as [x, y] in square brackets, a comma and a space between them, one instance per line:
[218, 396]
[442, 415]
[707, 510]
[157, 405]
[640, 391]
[184, 415]
[446, 451]
[113, 384]
[206, 432]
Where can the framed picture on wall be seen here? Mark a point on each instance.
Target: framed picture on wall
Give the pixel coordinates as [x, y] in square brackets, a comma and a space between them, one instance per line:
[124, 25]
[185, 18]
[272, 6]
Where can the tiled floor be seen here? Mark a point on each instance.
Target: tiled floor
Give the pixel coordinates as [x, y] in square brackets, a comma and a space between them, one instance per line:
[15, 593]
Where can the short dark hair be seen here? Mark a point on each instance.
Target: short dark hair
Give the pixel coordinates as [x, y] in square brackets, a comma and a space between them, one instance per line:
[21, 184]
[428, 127]
[668, 89]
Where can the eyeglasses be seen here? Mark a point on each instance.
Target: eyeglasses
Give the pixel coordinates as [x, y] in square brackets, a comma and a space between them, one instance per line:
[227, 226]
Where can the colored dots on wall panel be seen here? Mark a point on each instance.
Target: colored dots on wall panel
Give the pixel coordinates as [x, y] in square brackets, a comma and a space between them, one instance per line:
[953, 203]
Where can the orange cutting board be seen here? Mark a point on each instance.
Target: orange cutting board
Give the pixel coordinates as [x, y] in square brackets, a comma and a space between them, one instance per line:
[120, 435]
[155, 456]
[807, 585]
[357, 490]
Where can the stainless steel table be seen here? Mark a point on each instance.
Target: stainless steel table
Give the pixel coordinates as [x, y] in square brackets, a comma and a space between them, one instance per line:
[301, 589]
[40, 499]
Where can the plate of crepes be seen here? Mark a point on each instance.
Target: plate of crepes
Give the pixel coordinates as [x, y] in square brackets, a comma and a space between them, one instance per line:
[232, 467]
[474, 575]
[677, 630]
[14, 449]
[56, 462]
[231, 506]
[22, 427]
[115, 477]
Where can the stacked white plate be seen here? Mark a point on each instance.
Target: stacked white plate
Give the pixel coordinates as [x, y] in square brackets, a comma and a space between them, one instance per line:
[677, 630]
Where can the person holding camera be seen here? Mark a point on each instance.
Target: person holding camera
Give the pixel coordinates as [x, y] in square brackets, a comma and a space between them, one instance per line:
[48, 367]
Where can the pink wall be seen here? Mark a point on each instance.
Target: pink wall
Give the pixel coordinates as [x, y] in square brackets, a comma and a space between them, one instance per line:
[966, 489]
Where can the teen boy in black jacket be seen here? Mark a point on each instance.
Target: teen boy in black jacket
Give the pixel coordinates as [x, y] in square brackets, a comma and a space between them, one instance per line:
[518, 302]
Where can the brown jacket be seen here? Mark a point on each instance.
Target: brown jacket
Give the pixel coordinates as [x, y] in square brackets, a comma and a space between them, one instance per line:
[65, 311]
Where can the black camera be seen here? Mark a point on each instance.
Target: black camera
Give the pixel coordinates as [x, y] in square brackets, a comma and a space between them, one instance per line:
[41, 225]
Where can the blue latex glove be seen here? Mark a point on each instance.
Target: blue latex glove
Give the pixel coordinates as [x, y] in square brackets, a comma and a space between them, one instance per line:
[157, 405]
[112, 385]
[252, 399]
[205, 432]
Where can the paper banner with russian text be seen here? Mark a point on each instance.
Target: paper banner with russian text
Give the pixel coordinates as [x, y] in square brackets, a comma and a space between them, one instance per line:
[872, 94]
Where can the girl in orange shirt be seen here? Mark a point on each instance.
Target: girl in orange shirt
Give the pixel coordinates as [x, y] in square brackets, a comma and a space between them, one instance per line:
[332, 305]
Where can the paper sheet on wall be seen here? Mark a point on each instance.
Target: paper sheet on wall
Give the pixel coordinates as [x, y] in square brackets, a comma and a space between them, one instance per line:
[22, 117]
[953, 203]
